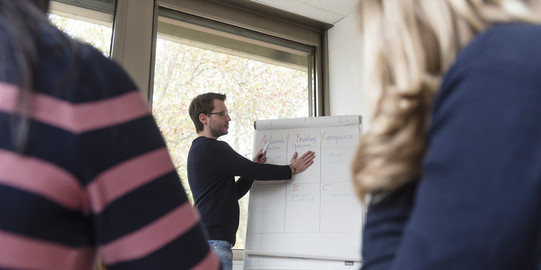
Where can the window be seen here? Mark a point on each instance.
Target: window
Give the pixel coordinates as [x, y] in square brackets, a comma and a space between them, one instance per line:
[89, 21]
[263, 76]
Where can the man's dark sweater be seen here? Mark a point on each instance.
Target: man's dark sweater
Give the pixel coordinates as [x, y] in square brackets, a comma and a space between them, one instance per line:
[212, 167]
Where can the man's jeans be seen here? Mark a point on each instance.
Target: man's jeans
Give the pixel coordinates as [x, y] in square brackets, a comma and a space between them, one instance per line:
[223, 249]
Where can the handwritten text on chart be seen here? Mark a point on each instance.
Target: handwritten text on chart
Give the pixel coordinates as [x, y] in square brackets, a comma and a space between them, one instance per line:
[307, 141]
[272, 140]
[304, 141]
[336, 138]
[318, 206]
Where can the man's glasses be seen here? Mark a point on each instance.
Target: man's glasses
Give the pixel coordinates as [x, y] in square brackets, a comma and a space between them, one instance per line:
[222, 113]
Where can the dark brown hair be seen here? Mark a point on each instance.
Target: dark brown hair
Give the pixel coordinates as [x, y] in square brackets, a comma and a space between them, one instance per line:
[203, 104]
[20, 25]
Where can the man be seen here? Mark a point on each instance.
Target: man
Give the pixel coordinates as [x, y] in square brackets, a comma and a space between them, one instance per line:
[212, 167]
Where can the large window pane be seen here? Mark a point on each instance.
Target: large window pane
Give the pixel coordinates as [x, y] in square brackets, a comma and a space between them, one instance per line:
[263, 77]
[90, 21]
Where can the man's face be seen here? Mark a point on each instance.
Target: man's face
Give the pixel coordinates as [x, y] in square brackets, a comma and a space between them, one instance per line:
[219, 119]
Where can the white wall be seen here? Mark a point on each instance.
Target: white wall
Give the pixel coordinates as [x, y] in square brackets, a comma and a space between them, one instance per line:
[345, 71]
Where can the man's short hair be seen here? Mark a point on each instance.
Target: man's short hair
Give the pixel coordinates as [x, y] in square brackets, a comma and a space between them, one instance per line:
[203, 104]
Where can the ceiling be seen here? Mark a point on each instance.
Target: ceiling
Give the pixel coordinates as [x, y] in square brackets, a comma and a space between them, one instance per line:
[327, 11]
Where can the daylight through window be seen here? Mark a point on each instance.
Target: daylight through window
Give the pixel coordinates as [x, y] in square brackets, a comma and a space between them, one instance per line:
[263, 77]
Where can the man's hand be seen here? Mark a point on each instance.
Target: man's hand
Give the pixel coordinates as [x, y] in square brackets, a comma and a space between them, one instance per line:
[299, 165]
[261, 160]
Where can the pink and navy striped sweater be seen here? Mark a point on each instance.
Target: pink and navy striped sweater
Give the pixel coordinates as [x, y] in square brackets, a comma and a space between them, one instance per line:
[95, 178]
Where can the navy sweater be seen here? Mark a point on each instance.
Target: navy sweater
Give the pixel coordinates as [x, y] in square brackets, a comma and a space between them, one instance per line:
[212, 167]
[478, 204]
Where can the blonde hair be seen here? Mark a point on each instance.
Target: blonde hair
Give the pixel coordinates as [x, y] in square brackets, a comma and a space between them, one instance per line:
[408, 47]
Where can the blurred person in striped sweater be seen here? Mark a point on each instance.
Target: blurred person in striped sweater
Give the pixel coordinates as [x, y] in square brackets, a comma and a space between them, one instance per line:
[83, 167]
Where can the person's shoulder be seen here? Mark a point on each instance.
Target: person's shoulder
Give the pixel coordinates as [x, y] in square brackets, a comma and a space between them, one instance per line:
[214, 145]
[83, 72]
[500, 52]
[498, 69]
[203, 146]
[208, 142]
[504, 31]
[102, 67]
[504, 43]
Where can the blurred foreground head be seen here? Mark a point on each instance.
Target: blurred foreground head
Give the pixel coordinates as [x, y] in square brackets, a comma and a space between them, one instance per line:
[408, 47]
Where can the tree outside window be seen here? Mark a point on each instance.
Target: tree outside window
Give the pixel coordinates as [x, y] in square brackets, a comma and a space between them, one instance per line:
[255, 90]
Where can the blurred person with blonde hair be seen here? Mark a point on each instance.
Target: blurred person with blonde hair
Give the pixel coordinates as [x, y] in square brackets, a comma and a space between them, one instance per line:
[450, 167]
